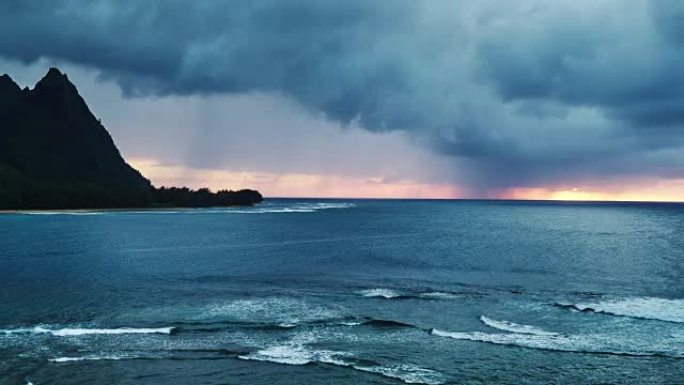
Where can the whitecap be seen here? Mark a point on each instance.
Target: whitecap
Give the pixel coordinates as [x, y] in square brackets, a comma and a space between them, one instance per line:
[406, 373]
[308, 207]
[670, 310]
[299, 355]
[439, 295]
[287, 325]
[582, 343]
[514, 327]
[85, 358]
[69, 332]
[296, 351]
[396, 294]
[350, 323]
[380, 293]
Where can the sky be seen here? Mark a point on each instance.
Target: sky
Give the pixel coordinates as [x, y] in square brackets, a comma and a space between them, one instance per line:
[523, 99]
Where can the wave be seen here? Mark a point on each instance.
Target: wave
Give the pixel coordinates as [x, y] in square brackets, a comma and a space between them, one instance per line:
[297, 355]
[386, 324]
[217, 326]
[440, 295]
[113, 357]
[588, 343]
[69, 332]
[669, 310]
[381, 293]
[350, 323]
[395, 294]
[308, 207]
[300, 355]
[406, 373]
[275, 311]
[227, 325]
[514, 327]
[155, 354]
[91, 358]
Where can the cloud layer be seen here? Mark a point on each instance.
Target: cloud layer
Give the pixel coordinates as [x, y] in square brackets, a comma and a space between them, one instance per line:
[522, 92]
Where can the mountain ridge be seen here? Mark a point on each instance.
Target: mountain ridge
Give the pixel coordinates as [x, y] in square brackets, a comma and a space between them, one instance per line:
[54, 153]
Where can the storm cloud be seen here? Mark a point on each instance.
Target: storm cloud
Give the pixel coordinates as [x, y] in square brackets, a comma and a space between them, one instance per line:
[522, 92]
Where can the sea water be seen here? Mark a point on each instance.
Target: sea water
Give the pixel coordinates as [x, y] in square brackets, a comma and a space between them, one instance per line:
[345, 292]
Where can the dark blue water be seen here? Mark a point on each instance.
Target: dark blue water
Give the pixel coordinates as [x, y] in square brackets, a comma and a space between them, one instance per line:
[345, 292]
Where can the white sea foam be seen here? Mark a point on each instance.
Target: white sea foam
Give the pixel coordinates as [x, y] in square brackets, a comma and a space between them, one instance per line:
[381, 293]
[297, 352]
[406, 373]
[617, 344]
[297, 355]
[350, 323]
[68, 332]
[284, 311]
[671, 310]
[67, 359]
[394, 294]
[439, 295]
[514, 327]
[86, 358]
[287, 325]
[299, 208]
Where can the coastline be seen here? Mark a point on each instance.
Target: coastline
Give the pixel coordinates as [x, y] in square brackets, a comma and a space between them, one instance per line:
[118, 209]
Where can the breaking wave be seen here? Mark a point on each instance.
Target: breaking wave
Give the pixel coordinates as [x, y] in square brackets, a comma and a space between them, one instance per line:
[298, 354]
[396, 294]
[407, 373]
[514, 327]
[380, 323]
[308, 207]
[69, 332]
[669, 310]
[380, 293]
[588, 343]
[86, 358]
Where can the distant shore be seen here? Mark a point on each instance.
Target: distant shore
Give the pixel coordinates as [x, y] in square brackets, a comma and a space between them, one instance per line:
[117, 209]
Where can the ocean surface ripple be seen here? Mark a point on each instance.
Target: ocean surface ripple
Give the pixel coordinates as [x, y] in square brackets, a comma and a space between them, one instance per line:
[345, 291]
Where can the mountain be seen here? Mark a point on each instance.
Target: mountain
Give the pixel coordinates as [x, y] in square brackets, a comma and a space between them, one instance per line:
[54, 153]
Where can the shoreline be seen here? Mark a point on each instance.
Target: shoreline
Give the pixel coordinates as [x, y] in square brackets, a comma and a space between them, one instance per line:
[123, 209]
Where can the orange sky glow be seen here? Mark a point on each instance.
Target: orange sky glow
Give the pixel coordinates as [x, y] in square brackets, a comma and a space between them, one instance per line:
[336, 186]
[662, 190]
[291, 184]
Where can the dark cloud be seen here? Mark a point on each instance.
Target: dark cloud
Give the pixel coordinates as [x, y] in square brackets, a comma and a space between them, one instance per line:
[524, 92]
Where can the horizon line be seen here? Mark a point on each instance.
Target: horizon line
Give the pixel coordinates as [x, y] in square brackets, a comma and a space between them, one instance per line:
[479, 199]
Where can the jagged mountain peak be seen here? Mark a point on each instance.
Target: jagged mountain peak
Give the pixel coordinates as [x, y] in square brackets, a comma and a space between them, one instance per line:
[54, 78]
[8, 84]
[54, 153]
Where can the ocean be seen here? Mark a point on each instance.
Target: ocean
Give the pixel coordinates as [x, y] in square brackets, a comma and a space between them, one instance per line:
[345, 292]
